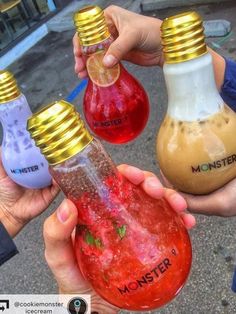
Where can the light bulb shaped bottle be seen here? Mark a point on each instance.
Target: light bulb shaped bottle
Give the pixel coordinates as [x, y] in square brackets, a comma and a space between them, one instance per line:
[133, 249]
[21, 159]
[196, 149]
[116, 106]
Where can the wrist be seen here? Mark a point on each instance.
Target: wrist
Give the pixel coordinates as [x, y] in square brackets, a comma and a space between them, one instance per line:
[12, 226]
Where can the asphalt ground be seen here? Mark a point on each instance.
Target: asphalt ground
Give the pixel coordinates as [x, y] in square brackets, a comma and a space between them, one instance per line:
[46, 73]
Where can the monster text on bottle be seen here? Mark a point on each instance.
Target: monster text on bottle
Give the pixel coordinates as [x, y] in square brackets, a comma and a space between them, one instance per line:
[149, 277]
[25, 170]
[110, 123]
[215, 165]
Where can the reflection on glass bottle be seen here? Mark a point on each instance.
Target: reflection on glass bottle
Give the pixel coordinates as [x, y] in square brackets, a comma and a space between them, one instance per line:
[195, 147]
[116, 105]
[21, 159]
[133, 249]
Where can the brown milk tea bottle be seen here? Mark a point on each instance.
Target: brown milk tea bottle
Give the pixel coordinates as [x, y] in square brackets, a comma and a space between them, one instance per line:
[196, 148]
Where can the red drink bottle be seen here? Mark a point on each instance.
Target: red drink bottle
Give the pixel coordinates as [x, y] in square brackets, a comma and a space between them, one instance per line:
[116, 105]
[133, 249]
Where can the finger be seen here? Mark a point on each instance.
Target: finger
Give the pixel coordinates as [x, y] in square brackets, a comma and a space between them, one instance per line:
[49, 193]
[133, 174]
[54, 189]
[176, 200]
[148, 181]
[125, 42]
[76, 46]
[83, 74]
[178, 203]
[79, 65]
[111, 13]
[188, 220]
[152, 186]
[59, 251]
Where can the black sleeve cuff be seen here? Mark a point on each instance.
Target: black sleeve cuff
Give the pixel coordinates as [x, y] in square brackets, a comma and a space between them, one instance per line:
[233, 287]
[228, 89]
[7, 246]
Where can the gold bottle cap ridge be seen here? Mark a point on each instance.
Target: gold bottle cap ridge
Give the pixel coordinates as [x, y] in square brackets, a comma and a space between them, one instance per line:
[183, 37]
[58, 131]
[8, 87]
[91, 25]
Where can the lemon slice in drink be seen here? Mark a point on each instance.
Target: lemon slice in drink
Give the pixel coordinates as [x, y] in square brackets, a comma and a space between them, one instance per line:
[98, 73]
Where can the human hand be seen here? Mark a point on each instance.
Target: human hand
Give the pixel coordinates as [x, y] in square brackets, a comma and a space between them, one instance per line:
[59, 227]
[153, 187]
[19, 205]
[137, 39]
[59, 254]
[221, 202]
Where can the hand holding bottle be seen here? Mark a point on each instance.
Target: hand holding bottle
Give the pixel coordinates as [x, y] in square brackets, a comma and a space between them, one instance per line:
[197, 119]
[21, 159]
[137, 40]
[125, 240]
[115, 105]
[18, 205]
[221, 202]
[59, 227]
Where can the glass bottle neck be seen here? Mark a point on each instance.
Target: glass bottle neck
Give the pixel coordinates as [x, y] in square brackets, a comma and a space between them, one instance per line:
[103, 45]
[192, 91]
[86, 173]
[15, 112]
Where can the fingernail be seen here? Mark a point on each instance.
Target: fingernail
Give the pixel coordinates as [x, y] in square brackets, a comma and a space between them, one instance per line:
[63, 212]
[153, 183]
[109, 60]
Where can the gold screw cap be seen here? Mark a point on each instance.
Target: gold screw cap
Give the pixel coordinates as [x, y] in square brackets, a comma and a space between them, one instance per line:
[58, 131]
[91, 25]
[183, 37]
[8, 87]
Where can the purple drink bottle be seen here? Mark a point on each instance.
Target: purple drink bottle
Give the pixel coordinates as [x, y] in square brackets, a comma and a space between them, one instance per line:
[21, 159]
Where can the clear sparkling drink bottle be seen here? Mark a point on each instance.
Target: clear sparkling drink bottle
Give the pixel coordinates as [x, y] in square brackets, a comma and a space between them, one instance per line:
[133, 249]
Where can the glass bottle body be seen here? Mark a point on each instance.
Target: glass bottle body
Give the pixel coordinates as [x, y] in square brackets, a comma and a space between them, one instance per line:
[194, 148]
[21, 159]
[116, 108]
[134, 250]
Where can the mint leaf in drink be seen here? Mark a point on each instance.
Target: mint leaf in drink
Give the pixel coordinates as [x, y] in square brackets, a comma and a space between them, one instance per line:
[121, 231]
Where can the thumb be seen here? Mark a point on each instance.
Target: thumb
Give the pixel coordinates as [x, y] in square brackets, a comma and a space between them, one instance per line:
[119, 48]
[59, 252]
